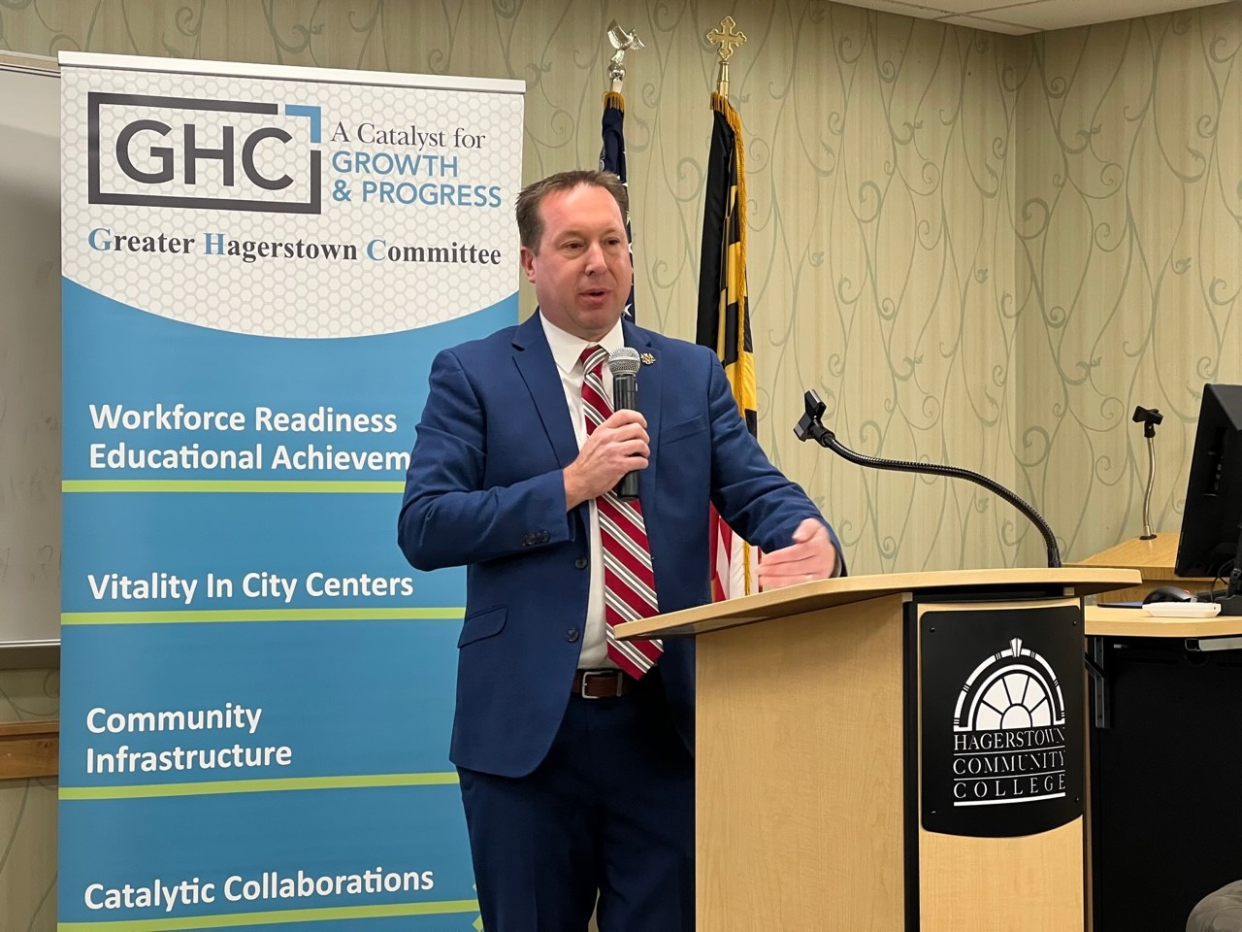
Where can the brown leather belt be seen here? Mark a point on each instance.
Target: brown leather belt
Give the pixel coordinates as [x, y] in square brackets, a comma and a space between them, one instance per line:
[602, 684]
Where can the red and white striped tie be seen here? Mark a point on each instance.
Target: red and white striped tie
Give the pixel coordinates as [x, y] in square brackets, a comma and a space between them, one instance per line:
[629, 583]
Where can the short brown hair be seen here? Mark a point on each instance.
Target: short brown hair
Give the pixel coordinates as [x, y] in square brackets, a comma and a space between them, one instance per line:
[529, 220]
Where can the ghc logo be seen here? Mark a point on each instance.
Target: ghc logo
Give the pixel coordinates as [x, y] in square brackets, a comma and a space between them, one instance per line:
[185, 152]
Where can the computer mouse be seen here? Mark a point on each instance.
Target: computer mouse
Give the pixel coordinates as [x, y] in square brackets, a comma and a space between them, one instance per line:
[1168, 594]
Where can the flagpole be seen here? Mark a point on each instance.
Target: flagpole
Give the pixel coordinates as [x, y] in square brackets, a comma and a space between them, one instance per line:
[612, 125]
[723, 315]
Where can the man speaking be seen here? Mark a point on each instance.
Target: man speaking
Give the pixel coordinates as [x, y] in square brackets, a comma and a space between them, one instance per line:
[574, 749]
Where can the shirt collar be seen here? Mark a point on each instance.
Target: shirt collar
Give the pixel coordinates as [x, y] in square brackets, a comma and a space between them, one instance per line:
[567, 348]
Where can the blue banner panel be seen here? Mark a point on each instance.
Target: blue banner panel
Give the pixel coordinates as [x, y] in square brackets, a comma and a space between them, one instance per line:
[261, 852]
[301, 699]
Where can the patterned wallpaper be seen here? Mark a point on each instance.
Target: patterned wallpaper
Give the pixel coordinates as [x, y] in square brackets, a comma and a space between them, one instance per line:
[980, 250]
[1128, 260]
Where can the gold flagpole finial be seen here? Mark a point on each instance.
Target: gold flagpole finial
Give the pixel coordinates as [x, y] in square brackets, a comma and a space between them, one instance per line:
[727, 41]
[622, 41]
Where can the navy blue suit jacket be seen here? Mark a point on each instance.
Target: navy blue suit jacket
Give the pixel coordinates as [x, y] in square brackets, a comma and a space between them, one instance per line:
[485, 490]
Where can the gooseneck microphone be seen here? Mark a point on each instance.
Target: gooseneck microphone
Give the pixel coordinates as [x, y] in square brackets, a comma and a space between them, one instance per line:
[623, 363]
[1150, 418]
[811, 427]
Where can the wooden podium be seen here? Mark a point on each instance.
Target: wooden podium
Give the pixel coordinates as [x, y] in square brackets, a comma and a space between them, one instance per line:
[852, 763]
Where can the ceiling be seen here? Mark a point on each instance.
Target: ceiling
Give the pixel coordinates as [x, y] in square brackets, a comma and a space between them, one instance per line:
[1020, 17]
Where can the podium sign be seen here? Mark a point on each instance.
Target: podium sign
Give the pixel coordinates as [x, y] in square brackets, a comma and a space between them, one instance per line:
[1002, 719]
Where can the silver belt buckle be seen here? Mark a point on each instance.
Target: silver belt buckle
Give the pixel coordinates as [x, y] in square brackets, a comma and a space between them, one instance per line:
[588, 675]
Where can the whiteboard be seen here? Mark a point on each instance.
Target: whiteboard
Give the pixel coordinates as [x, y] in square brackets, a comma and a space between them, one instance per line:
[30, 396]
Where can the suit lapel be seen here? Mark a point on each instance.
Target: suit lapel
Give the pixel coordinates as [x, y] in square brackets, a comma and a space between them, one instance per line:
[650, 389]
[534, 361]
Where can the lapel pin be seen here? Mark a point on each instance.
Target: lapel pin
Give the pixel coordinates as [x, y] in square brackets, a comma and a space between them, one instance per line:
[647, 359]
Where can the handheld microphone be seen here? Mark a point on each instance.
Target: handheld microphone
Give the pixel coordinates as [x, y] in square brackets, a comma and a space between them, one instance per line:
[623, 363]
[810, 427]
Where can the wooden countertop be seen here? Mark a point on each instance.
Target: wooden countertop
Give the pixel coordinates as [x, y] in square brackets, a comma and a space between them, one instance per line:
[1153, 558]
[1134, 622]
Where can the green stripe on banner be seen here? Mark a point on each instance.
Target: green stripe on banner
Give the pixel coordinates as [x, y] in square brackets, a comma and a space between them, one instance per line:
[275, 917]
[225, 787]
[226, 485]
[446, 613]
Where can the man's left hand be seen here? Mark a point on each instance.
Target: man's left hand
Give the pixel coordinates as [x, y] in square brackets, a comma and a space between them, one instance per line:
[810, 556]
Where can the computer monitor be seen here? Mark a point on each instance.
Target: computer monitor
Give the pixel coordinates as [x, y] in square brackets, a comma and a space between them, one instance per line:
[1210, 523]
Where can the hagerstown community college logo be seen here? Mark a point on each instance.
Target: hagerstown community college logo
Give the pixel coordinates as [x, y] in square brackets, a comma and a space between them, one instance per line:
[1009, 735]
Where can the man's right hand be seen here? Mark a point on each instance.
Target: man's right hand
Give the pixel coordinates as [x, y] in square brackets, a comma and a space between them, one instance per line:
[616, 447]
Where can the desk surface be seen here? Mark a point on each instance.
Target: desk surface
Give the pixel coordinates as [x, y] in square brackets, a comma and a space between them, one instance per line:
[1153, 558]
[1134, 622]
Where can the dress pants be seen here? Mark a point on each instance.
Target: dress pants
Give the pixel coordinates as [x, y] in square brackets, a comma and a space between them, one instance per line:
[609, 812]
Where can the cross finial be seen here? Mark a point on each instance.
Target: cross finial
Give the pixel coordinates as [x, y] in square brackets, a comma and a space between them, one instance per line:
[726, 39]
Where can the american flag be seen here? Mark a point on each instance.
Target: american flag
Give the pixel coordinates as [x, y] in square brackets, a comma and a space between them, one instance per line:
[612, 159]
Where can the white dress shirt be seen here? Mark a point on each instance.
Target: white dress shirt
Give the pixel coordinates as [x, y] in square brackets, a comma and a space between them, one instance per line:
[567, 350]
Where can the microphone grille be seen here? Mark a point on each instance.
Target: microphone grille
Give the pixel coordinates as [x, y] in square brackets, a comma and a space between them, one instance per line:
[623, 361]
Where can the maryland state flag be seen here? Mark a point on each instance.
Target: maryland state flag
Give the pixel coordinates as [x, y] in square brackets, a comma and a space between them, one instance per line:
[724, 319]
[612, 159]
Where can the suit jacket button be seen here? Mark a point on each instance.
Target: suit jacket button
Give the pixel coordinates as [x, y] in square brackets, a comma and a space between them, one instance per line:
[572, 635]
[543, 537]
[581, 563]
